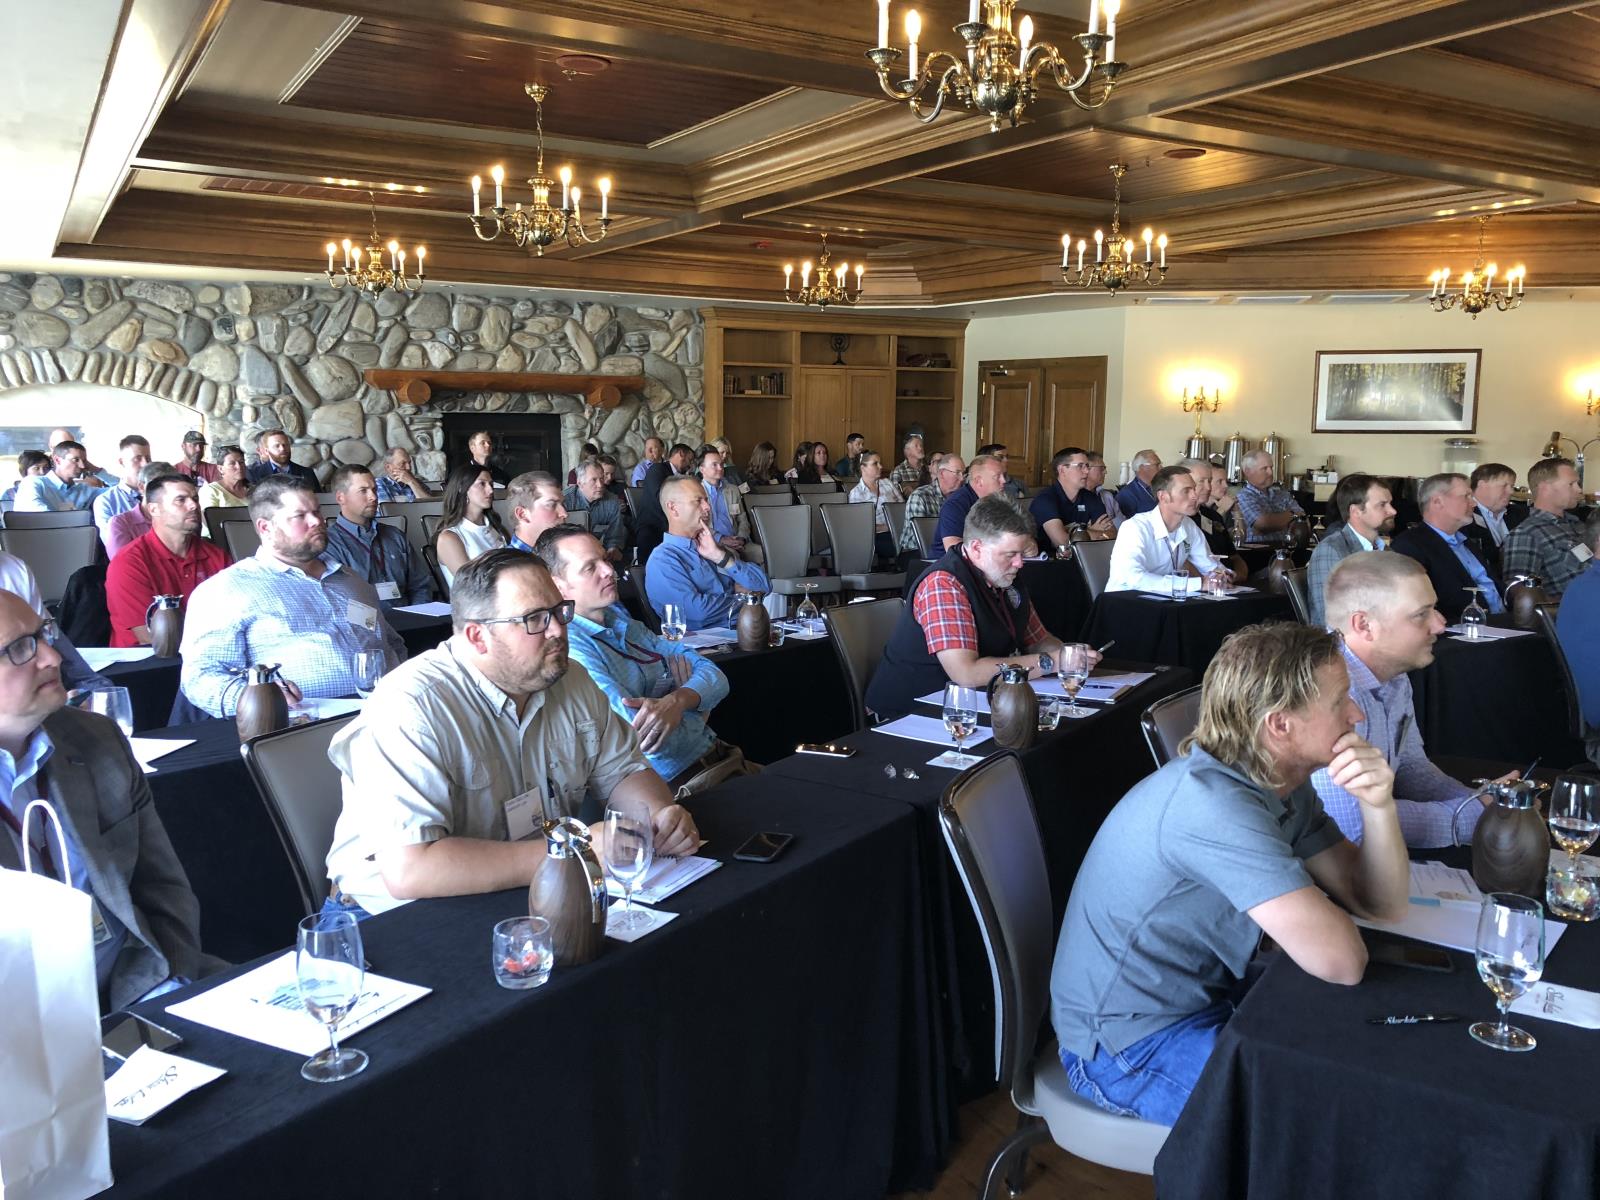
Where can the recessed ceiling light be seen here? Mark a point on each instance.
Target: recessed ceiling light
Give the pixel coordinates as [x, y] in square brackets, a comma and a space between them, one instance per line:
[1184, 152]
[575, 65]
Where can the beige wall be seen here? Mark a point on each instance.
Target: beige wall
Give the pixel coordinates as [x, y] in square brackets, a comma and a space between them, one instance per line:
[1537, 363]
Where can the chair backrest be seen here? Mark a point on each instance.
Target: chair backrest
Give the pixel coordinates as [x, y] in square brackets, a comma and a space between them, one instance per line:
[1294, 586]
[415, 512]
[771, 489]
[53, 555]
[431, 557]
[859, 632]
[923, 527]
[776, 498]
[1168, 721]
[850, 529]
[815, 489]
[301, 790]
[1547, 625]
[399, 523]
[240, 539]
[430, 527]
[503, 507]
[635, 498]
[992, 832]
[216, 518]
[325, 498]
[895, 514]
[1094, 566]
[579, 517]
[49, 520]
[821, 543]
[785, 538]
[329, 510]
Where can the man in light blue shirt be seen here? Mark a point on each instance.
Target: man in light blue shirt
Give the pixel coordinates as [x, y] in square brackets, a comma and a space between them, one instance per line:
[60, 489]
[1578, 627]
[663, 689]
[654, 448]
[690, 568]
[133, 453]
[1444, 550]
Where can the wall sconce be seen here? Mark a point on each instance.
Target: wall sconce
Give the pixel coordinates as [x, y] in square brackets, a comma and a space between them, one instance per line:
[1591, 405]
[1200, 403]
[1552, 448]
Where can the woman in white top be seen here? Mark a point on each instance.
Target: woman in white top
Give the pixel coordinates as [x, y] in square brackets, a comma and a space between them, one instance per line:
[874, 489]
[468, 524]
[231, 488]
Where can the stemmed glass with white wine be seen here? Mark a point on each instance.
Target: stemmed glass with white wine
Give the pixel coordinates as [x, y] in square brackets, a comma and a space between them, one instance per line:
[960, 713]
[330, 969]
[1574, 816]
[1072, 668]
[1474, 616]
[1510, 954]
[629, 851]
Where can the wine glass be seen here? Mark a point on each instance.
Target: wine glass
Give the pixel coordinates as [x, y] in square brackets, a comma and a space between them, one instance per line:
[1510, 954]
[1474, 615]
[1574, 814]
[673, 625]
[367, 666]
[113, 703]
[1072, 668]
[807, 610]
[329, 969]
[629, 850]
[960, 713]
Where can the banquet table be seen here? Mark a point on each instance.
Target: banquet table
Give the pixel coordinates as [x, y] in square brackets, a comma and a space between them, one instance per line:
[771, 1040]
[1183, 633]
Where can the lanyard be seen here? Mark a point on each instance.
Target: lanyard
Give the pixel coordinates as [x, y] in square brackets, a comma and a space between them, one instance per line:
[650, 656]
[374, 551]
[10, 818]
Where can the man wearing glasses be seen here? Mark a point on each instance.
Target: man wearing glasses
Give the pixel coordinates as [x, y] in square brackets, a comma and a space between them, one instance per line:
[146, 921]
[928, 499]
[461, 754]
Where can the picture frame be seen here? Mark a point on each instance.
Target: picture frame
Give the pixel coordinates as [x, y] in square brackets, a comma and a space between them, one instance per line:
[1396, 391]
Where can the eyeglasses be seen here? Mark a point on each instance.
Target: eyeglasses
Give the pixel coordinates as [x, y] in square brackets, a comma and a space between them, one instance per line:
[21, 651]
[534, 622]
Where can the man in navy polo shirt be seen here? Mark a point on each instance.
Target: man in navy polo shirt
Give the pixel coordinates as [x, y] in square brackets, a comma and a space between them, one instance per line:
[986, 476]
[1070, 500]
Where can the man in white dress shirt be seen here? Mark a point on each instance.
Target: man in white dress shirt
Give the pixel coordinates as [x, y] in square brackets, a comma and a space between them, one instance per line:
[1154, 548]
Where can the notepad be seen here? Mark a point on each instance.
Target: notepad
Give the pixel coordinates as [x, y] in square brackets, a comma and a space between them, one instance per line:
[700, 639]
[147, 750]
[928, 729]
[667, 877]
[1451, 923]
[433, 608]
[101, 657]
[1487, 633]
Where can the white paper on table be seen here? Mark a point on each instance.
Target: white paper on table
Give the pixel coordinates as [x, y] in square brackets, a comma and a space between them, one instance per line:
[666, 877]
[802, 633]
[1434, 882]
[148, 749]
[1451, 923]
[264, 1006]
[655, 919]
[101, 657]
[432, 608]
[320, 708]
[1558, 858]
[1487, 633]
[927, 729]
[702, 638]
[150, 1080]
[954, 761]
[1554, 1002]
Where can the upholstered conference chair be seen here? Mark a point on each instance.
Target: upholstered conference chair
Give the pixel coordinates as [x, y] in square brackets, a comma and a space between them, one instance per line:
[850, 530]
[1094, 566]
[1294, 586]
[859, 632]
[1168, 721]
[785, 537]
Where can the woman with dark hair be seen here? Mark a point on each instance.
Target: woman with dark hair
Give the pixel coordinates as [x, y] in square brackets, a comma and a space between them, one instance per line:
[760, 471]
[468, 524]
[815, 468]
[802, 458]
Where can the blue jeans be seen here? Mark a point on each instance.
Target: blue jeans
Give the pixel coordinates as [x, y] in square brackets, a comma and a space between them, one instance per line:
[344, 904]
[1153, 1077]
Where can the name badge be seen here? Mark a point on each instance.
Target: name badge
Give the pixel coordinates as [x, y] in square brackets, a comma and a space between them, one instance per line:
[388, 589]
[744, 489]
[363, 615]
[1582, 553]
[1205, 525]
[102, 934]
[520, 814]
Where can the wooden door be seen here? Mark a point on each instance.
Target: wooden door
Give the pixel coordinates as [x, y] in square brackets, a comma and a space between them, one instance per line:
[822, 405]
[1074, 408]
[871, 413]
[1010, 413]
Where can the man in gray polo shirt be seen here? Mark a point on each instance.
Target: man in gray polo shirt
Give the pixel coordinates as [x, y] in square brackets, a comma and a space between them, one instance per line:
[1222, 844]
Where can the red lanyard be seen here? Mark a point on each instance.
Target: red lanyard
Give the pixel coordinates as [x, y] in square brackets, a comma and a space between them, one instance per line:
[377, 545]
[650, 656]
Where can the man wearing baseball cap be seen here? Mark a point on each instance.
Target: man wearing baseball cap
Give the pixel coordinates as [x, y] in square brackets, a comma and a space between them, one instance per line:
[193, 463]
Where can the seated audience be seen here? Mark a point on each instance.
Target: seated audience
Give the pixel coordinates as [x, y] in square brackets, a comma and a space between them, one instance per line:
[690, 568]
[1013, 487]
[1208, 484]
[1491, 495]
[802, 458]
[146, 919]
[606, 520]
[169, 559]
[480, 453]
[1070, 501]
[1367, 510]
[1224, 843]
[193, 463]
[1137, 495]
[463, 751]
[378, 553]
[912, 471]
[663, 689]
[815, 467]
[928, 500]
[730, 472]
[1452, 560]
[1108, 495]
[586, 453]
[968, 616]
[125, 527]
[1382, 605]
[231, 487]
[93, 474]
[650, 521]
[1265, 504]
[272, 451]
[291, 603]
[759, 471]
[872, 488]
[63, 487]
[398, 484]
[1548, 544]
[468, 523]
[133, 453]
[17, 578]
[654, 451]
[1154, 548]
[850, 465]
[985, 477]
[535, 498]
[611, 472]
[730, 523]
[1578, 627]
[29, 462]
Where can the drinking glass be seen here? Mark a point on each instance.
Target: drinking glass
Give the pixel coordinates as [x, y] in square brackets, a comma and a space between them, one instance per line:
[1072, 668]
[673, 625]
[1510, 953]
[1572, 889]
[807, 610]
[1178, 587]
[1474, 615]
[960, 713]
[367, 667]
[114, 703]
[329, 969]
[630, 847]
[522, 953]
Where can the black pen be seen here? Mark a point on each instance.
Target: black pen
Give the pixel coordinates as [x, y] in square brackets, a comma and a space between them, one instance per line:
[1413, 1018]
[1107, 646]
[1532, 767]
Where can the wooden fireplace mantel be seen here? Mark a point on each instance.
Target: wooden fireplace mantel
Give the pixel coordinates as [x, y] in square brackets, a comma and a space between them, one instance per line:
[418, 387]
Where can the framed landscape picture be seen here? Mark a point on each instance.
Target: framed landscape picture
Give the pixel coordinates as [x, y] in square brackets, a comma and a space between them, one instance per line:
[1396, 391]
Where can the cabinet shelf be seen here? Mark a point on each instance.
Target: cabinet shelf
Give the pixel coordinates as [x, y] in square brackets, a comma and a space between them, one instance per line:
[927, 370]
[770, 365]
[756, 395]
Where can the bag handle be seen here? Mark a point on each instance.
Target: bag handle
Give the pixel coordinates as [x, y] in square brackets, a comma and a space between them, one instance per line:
[61, 839]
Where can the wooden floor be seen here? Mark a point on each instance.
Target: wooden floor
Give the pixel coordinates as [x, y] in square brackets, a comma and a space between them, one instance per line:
[1053, 1174]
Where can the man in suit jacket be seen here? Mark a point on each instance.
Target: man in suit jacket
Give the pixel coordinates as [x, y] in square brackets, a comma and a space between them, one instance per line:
[1452, 561]
[1366, 508]
[146, 918]
[1491, 485]
[650, 522]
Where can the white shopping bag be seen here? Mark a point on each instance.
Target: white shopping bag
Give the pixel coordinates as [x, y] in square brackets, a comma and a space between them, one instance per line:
[53, 1140]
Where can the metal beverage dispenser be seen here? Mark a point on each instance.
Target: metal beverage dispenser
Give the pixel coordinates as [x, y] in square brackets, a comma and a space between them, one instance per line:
[1234, 450]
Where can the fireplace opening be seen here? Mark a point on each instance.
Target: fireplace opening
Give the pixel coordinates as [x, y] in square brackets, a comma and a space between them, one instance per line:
[522, 441]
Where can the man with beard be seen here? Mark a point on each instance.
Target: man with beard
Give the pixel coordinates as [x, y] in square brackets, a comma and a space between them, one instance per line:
[460, 753]
[378, 553]
[273, 451]
[1154, 548]
[171, 559]
[1368, 511]
[292, 603]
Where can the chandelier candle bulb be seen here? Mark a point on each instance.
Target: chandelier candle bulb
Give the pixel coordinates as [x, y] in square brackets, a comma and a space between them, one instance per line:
[1082, 246]
[1066, 249]
[1113, 7]
[913, 28]
[565, 175]
[605, 197]
[1024, 35]
[499, 175]
[1094, 16]
[1149, 234]
[477, 189]
[331, 249]
[1099, 243]
[972, 12]
[883, 21]
[422, 252]
[861, 269]
[805, 274]
[1161, 243]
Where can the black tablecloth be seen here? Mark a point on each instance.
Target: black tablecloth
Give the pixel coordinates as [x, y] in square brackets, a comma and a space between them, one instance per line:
[1500, 698]
[772, 1041]
[418, 632]
[152, 685]
[1184, 633]
[778, 698]
[1056, 589]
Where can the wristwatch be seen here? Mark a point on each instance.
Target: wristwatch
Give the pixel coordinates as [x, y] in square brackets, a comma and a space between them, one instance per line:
[1046, 664]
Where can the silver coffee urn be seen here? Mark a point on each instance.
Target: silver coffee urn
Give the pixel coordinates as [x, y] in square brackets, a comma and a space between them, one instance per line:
[1274, 448]
[1233, 452]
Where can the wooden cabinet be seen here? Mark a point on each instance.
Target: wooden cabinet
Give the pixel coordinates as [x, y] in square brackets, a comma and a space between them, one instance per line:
[1039, 406]
[834, 402]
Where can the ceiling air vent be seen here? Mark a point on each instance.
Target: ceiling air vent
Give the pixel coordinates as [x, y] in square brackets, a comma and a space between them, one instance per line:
[1366, 297]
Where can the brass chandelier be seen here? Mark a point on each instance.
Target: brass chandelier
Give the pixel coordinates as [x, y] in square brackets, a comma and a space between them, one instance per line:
[1114, 266]
[540, 224]
[372, 275]
[1477, 285]
[999, 74]
[831, 286]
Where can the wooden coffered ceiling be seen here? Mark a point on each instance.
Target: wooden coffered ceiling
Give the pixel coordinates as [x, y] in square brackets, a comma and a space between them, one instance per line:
[1343, 144]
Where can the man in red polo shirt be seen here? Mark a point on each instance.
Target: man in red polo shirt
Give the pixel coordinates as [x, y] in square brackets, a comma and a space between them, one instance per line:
[171, 560]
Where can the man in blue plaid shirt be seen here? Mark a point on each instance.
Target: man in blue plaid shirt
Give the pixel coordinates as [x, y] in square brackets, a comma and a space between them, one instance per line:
[397, 483]
[1266, 505]
[1549, 541]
